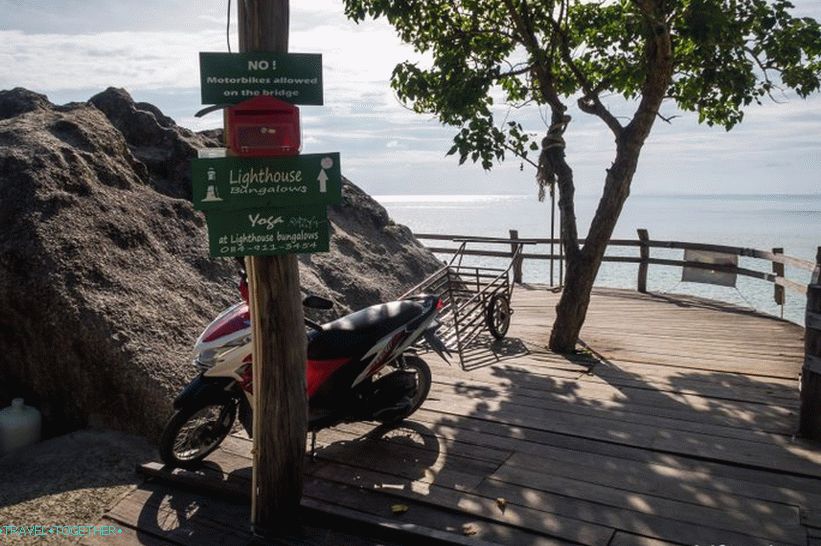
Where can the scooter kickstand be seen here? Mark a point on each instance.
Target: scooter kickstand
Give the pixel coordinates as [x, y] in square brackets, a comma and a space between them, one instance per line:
[313, 446]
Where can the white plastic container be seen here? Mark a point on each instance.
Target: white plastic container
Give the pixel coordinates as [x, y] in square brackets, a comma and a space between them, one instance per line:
[19, 426]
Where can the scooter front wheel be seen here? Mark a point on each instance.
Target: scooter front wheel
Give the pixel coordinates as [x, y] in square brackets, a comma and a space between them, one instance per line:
[195, 431]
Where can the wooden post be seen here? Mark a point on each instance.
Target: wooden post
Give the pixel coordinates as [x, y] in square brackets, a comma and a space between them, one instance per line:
[280, 405]
[644, 254]
[810, 426]
[517, 265]
[778, 291]
[561, 250]
[552, 229]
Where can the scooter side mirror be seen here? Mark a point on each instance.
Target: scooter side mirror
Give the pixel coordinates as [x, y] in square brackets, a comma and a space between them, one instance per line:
[317, 302]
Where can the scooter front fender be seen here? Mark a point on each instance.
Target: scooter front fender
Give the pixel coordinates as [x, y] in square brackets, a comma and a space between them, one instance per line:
[204, 389]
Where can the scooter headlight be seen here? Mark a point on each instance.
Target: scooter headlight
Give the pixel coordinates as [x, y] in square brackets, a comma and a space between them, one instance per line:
[208, 358]
[205, 360]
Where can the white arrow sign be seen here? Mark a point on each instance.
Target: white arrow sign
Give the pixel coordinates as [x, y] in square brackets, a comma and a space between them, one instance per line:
[323, 181]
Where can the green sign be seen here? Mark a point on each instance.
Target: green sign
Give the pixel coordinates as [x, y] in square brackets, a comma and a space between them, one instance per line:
[237, 182]
[229, 78]
[268, 232]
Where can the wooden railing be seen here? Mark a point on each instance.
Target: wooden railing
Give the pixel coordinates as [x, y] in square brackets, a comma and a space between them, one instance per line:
[644, 244]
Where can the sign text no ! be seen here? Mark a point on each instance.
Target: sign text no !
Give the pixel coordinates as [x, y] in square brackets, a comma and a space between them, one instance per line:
[230, 78]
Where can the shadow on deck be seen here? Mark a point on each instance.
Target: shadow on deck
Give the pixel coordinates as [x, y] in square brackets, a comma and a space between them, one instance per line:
[674, 425]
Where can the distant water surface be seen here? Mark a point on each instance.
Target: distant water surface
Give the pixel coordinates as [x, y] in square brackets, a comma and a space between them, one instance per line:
[754, 221]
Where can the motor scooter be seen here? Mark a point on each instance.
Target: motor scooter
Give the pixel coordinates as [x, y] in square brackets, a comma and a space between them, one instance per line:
[360, 367]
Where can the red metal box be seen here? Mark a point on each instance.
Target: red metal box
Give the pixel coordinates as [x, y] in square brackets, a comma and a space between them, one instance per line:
[264, 126]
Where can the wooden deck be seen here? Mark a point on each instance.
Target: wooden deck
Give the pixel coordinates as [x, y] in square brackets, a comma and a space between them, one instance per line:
[675, 428]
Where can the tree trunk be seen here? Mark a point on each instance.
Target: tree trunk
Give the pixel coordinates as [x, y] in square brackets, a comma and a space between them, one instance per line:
[583, 265]
[572, 307]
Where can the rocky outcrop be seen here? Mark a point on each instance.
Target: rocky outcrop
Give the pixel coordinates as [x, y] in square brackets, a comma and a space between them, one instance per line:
[105, 278]
[155, 140]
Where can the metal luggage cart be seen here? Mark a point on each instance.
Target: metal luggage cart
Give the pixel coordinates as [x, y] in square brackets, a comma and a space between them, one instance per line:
[474, 299]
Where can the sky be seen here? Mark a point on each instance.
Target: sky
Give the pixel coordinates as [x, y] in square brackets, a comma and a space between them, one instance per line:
[73, 49]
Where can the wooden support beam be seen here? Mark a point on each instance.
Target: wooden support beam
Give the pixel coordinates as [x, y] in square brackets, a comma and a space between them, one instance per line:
[778, 271]
[644, 254]
[280, 405]
[810, 426]
[517, 264]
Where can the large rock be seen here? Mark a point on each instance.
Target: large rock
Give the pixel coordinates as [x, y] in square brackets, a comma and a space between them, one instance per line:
[105, 278]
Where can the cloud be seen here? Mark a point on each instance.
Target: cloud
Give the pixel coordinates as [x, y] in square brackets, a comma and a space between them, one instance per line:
[72, 49]
[137, 60]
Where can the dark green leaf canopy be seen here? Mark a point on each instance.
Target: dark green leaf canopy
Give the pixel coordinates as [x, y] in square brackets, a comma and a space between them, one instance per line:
[726, 54]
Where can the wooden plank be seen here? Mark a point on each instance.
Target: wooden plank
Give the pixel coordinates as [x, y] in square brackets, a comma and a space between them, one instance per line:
[627, 462]
[536, 441]
[660, 342]
[411, 533]
[653, 480]
[741, 251]
[715, 344]
[206, 480]
[477, 506]
[762, 370]
[811, 516]
[775, 411]
[315, 500]
[622, 538]
[438, 522]
[631, 521]
[604, 413]
[736, 519]
[720, 386]
[126, 536]
[426, 465]
[747, 419]
[741, 506]
[183, 517]
[783, 456]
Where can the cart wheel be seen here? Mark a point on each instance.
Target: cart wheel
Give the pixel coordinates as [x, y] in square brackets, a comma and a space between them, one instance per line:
[498, 316]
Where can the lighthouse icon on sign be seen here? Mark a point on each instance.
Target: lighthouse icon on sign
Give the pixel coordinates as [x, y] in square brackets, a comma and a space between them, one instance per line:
[211, 192]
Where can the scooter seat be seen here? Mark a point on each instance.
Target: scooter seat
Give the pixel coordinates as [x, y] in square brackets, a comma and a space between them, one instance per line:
[354, 334]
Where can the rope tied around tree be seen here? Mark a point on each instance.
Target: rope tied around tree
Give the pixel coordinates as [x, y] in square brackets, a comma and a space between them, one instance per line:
[554, 140]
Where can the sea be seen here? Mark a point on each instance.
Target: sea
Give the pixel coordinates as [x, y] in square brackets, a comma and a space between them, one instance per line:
[764, 222]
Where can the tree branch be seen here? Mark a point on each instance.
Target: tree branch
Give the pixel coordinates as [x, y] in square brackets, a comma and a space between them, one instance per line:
[659, 59]
[658, 56]
[768, 83]
[520, 156]
[667, 119]
[552, 163]
[541, 65]
[517, 72]
[590, 104]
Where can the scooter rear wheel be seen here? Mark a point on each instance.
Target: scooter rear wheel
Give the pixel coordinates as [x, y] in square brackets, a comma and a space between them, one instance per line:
[195, 431]
[423, 382]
